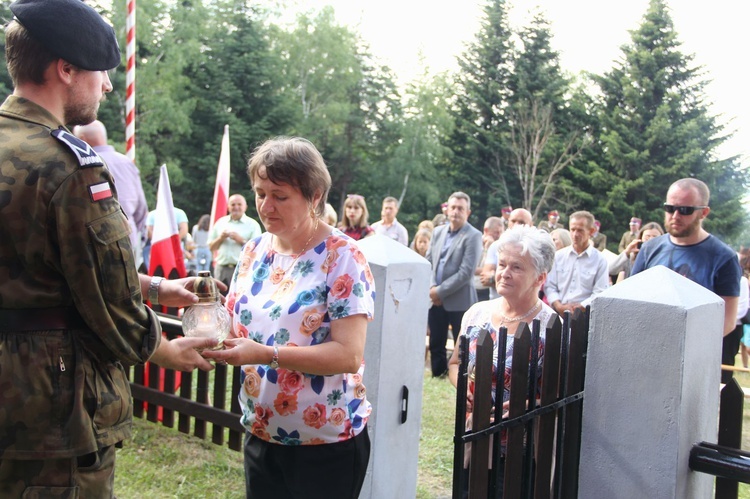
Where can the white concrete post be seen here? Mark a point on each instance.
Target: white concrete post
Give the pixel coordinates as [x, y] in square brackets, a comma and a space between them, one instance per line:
[652, 387]
[394, 354]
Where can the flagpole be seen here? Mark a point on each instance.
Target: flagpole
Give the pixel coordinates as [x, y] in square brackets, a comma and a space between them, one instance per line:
[130, 83]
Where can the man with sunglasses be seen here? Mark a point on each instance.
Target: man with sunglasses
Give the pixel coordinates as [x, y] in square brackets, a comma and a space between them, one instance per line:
[692, 252]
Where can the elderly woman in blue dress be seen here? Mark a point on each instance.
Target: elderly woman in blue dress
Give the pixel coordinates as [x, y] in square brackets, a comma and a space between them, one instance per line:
[525, 256]
[300, 300]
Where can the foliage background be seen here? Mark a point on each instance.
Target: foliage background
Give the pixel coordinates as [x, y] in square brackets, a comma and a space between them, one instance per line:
[622, 136]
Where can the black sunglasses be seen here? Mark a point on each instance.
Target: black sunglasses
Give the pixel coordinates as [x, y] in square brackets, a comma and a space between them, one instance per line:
[682, 210]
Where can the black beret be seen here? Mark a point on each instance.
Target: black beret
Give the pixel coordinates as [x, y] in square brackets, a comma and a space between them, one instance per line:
[71, 30]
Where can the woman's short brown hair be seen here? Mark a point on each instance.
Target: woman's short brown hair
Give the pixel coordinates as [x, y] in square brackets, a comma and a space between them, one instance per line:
[27, 59]
[294, 161]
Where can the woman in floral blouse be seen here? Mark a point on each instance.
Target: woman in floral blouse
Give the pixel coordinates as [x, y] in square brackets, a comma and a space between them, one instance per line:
[300, 300]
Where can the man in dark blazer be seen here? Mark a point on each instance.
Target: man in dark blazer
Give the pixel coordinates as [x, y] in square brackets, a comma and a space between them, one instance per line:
[454, 253]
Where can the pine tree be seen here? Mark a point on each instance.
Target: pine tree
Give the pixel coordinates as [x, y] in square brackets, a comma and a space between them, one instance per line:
[481, 139]
[656, 128]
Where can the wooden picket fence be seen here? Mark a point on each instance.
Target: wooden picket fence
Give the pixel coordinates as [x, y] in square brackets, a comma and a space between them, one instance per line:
[543, 425]
[201, 399]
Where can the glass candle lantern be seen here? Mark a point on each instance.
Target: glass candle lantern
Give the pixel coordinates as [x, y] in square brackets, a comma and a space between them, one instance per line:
[208, 318]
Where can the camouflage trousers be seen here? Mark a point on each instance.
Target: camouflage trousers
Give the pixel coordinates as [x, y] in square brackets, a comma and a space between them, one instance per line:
[88, 476]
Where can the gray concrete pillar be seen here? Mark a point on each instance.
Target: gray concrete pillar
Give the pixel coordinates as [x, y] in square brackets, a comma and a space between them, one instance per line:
[652, 387]
[394, 371]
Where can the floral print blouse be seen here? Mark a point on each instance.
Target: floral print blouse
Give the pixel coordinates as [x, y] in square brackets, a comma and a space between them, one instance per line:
[276, 300]
[479, 317]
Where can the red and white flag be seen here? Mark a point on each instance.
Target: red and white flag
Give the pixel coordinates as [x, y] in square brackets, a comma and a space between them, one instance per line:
[166, 252]
[221, 191]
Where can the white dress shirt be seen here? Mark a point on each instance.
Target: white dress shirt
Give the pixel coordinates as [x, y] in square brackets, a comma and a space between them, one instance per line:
[575, 278]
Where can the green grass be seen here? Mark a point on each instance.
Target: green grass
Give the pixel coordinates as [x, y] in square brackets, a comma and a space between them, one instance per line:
[435, 475]
[744, 380]
[161, 462]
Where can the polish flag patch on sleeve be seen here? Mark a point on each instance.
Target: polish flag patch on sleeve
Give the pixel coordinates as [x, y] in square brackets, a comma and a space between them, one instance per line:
[100, 191]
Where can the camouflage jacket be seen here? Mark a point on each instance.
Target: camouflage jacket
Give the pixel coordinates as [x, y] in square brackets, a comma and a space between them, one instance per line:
[64, 242]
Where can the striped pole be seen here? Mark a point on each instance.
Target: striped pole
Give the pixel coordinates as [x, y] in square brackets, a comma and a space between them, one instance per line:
[130, 84]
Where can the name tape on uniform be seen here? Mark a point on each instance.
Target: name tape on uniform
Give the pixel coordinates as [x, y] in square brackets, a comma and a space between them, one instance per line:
[84, 152]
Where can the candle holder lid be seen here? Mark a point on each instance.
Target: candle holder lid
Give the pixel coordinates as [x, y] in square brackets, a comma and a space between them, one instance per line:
[205, 287]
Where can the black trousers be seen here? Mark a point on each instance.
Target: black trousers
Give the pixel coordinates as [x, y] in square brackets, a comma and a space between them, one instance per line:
[438, 319]
[275, 471]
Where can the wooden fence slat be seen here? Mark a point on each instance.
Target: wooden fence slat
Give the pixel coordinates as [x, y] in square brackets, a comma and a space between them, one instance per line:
[497, 447]
[154, 371]
[517, 407]
[138, 380]
[571, 438]
[167, 418]
[220, 399]
[563, 389]
[235, 436]
[730, 432]
[481, 412]
[549, 393]
[531, 399]
[186, 392]
[201, 396]
[460, 420]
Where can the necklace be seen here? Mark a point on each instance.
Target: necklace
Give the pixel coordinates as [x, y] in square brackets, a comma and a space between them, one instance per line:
[278, 272]
[521, 317]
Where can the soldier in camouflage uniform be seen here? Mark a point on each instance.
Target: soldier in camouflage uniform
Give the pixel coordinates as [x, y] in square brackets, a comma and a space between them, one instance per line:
[71, 301]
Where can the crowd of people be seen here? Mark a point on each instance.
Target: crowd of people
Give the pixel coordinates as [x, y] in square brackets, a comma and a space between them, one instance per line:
[299, 290]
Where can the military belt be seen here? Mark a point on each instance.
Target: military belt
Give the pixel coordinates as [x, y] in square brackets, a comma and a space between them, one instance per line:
[40, 319]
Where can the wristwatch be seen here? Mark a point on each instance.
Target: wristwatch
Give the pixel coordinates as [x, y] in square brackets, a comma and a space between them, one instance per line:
[153, 289]
[275, 359]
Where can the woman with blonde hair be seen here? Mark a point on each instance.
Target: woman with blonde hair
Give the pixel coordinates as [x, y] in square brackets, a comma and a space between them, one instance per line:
[561, 238]
[422, 241]
[354, 222]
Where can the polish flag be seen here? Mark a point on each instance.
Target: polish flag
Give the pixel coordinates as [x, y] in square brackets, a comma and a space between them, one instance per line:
[166, 260]
[221, 191]
[166, 253]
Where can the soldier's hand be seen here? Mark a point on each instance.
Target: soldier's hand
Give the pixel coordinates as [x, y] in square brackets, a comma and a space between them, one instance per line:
[180, 292]
[182, 354]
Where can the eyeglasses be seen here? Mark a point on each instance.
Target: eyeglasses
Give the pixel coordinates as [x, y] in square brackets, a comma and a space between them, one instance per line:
[682, 210]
